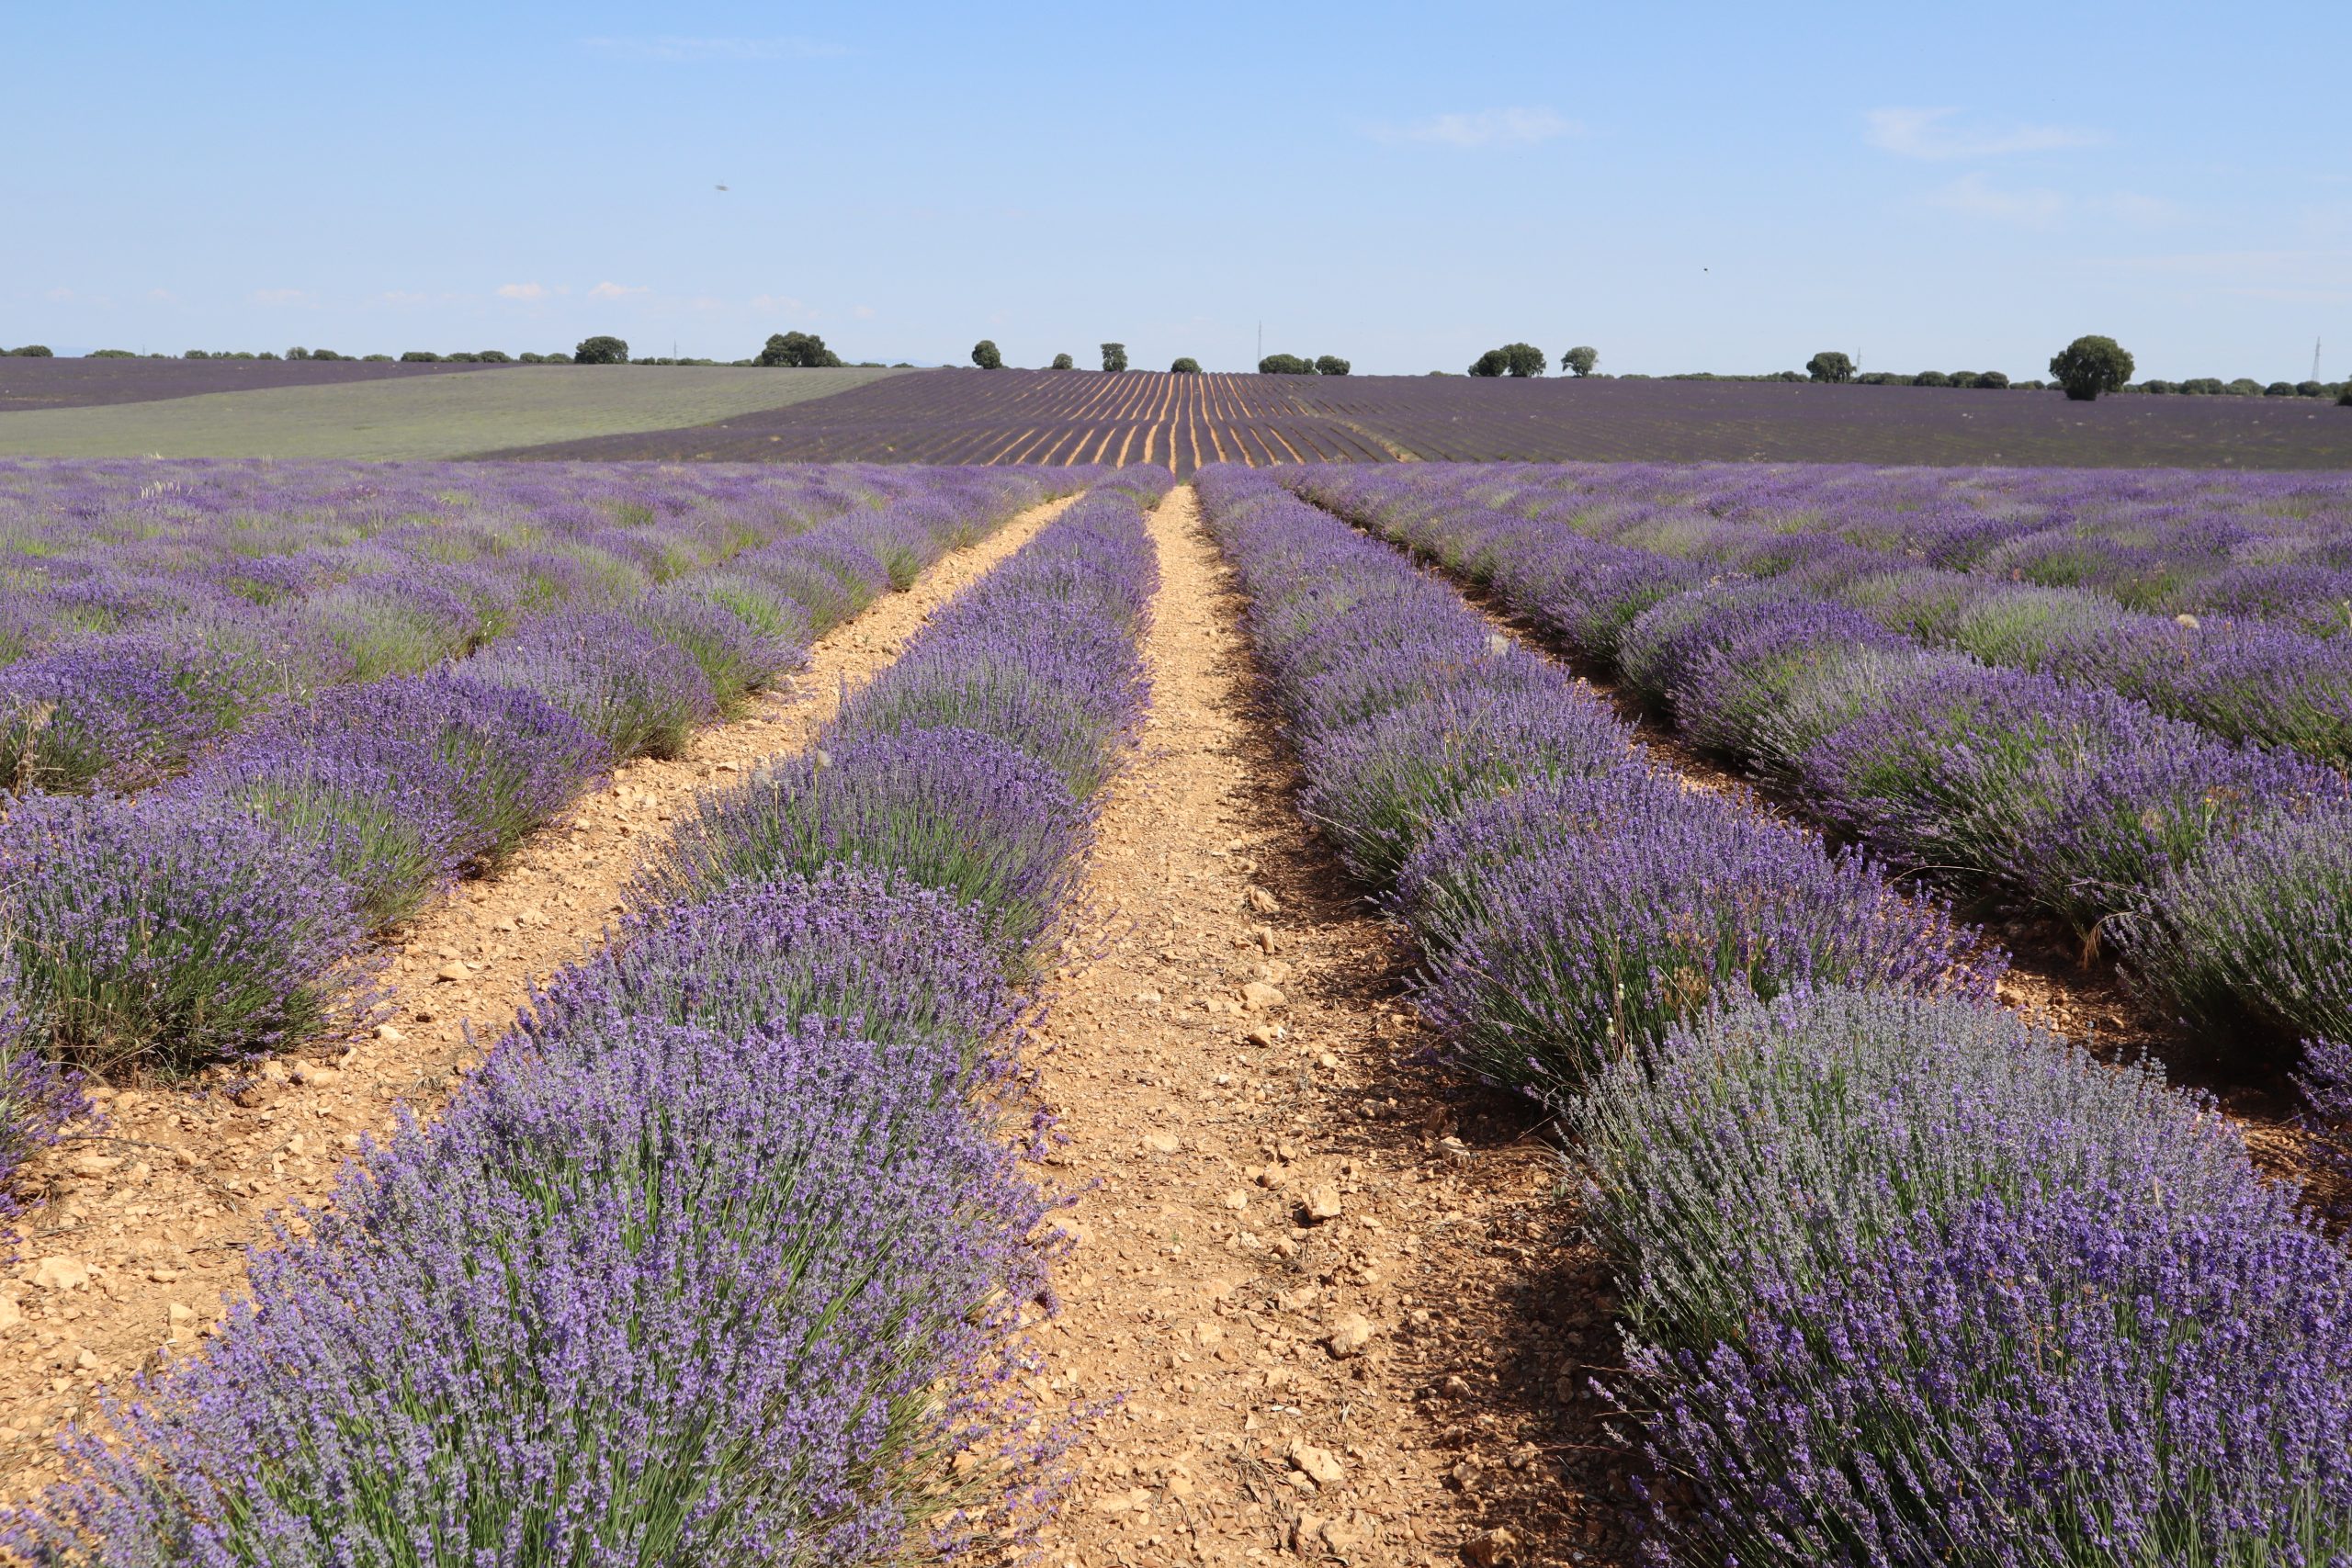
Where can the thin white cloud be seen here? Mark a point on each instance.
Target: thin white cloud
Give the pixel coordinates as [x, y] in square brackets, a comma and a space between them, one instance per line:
[1974, 196]
[1934, 133]
[61, 296]
[406, 297]
[863, 312]
[1483, 127]
[163, 296]
[278, 295]
[776, 302]
[701, 50]
[522, 292]
[610, 290]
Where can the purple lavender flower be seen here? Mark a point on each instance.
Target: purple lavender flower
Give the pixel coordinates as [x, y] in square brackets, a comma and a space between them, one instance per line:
[946, 808]
[513, 759]
[638, 692]
[646, 1294]
[177, 931]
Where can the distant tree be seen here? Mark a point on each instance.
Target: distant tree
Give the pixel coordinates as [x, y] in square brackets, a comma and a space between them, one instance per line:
[799, 351]
[375, 359]
[985, 356]
[1962, 377]
[1063, 362]
[2310, 389]
[2158, 389]
[526, 358]
[493, 356]
[1332, 364]
[1285, 365]
[109, 354]
[602, 349]
[2203, 387]
[2244, 387]
[1580, 360]
[460, 357]
[1831, 364]
[297, 354]
[266, 354]
[426, 357]
[327, 353]
[2090, 365]
[1931, 378]
[196, 353]
[1523, 359]
[2279, 390]
[1114, 357]
[1490, 363]
[2343, 396]
[1185, 366]
[1989, 381]
[33, 351]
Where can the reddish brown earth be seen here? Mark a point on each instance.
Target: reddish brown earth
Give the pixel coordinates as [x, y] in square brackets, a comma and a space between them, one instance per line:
[147, 1216]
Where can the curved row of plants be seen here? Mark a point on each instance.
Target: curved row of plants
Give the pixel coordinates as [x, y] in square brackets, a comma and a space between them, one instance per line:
[1905, 1280]
[727, 1253]
[230, 911]
[2216, 871]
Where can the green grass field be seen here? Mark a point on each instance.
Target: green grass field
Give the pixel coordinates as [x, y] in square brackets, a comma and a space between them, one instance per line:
[437, 416]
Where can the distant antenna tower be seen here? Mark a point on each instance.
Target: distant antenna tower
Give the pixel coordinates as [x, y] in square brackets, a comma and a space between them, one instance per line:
[2314, 359]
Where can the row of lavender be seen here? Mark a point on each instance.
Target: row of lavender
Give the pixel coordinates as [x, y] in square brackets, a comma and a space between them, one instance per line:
[2244, 679]
[2250, 545]
[727, 1253]
[228, 912]
[1906, 1281]
[2217, 870]
[144, 626]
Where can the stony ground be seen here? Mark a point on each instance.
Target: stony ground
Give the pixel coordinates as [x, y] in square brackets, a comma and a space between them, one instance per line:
[1336, 1295]
[148, 1213]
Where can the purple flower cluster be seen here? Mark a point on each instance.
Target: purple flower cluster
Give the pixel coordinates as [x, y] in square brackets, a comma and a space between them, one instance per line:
[1909, 1281]
[177, 931]
[1906, 1281]
[725, 1255]
[1572, 902]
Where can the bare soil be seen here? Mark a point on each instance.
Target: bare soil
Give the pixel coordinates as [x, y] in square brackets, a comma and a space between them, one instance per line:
[1334, 1293]
[149, 1214]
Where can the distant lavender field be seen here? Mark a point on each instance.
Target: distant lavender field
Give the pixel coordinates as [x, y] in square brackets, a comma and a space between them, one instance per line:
[1053, 417]
[88, 383]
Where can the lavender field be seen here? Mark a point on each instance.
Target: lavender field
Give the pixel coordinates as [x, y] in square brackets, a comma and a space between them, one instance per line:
[1712, 813]
[1187, 421]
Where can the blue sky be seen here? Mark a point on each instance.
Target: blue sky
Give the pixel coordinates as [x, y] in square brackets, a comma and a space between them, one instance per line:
[1726, 187]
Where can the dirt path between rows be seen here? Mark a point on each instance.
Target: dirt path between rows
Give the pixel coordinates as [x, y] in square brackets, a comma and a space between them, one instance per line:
[1333, 1289]
[147, 1219]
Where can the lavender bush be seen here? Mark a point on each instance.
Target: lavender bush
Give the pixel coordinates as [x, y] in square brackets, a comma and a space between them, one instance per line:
[177, 931]
[636, 691]
[646, 1294]
[1571, 921]
[1911, 1283]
